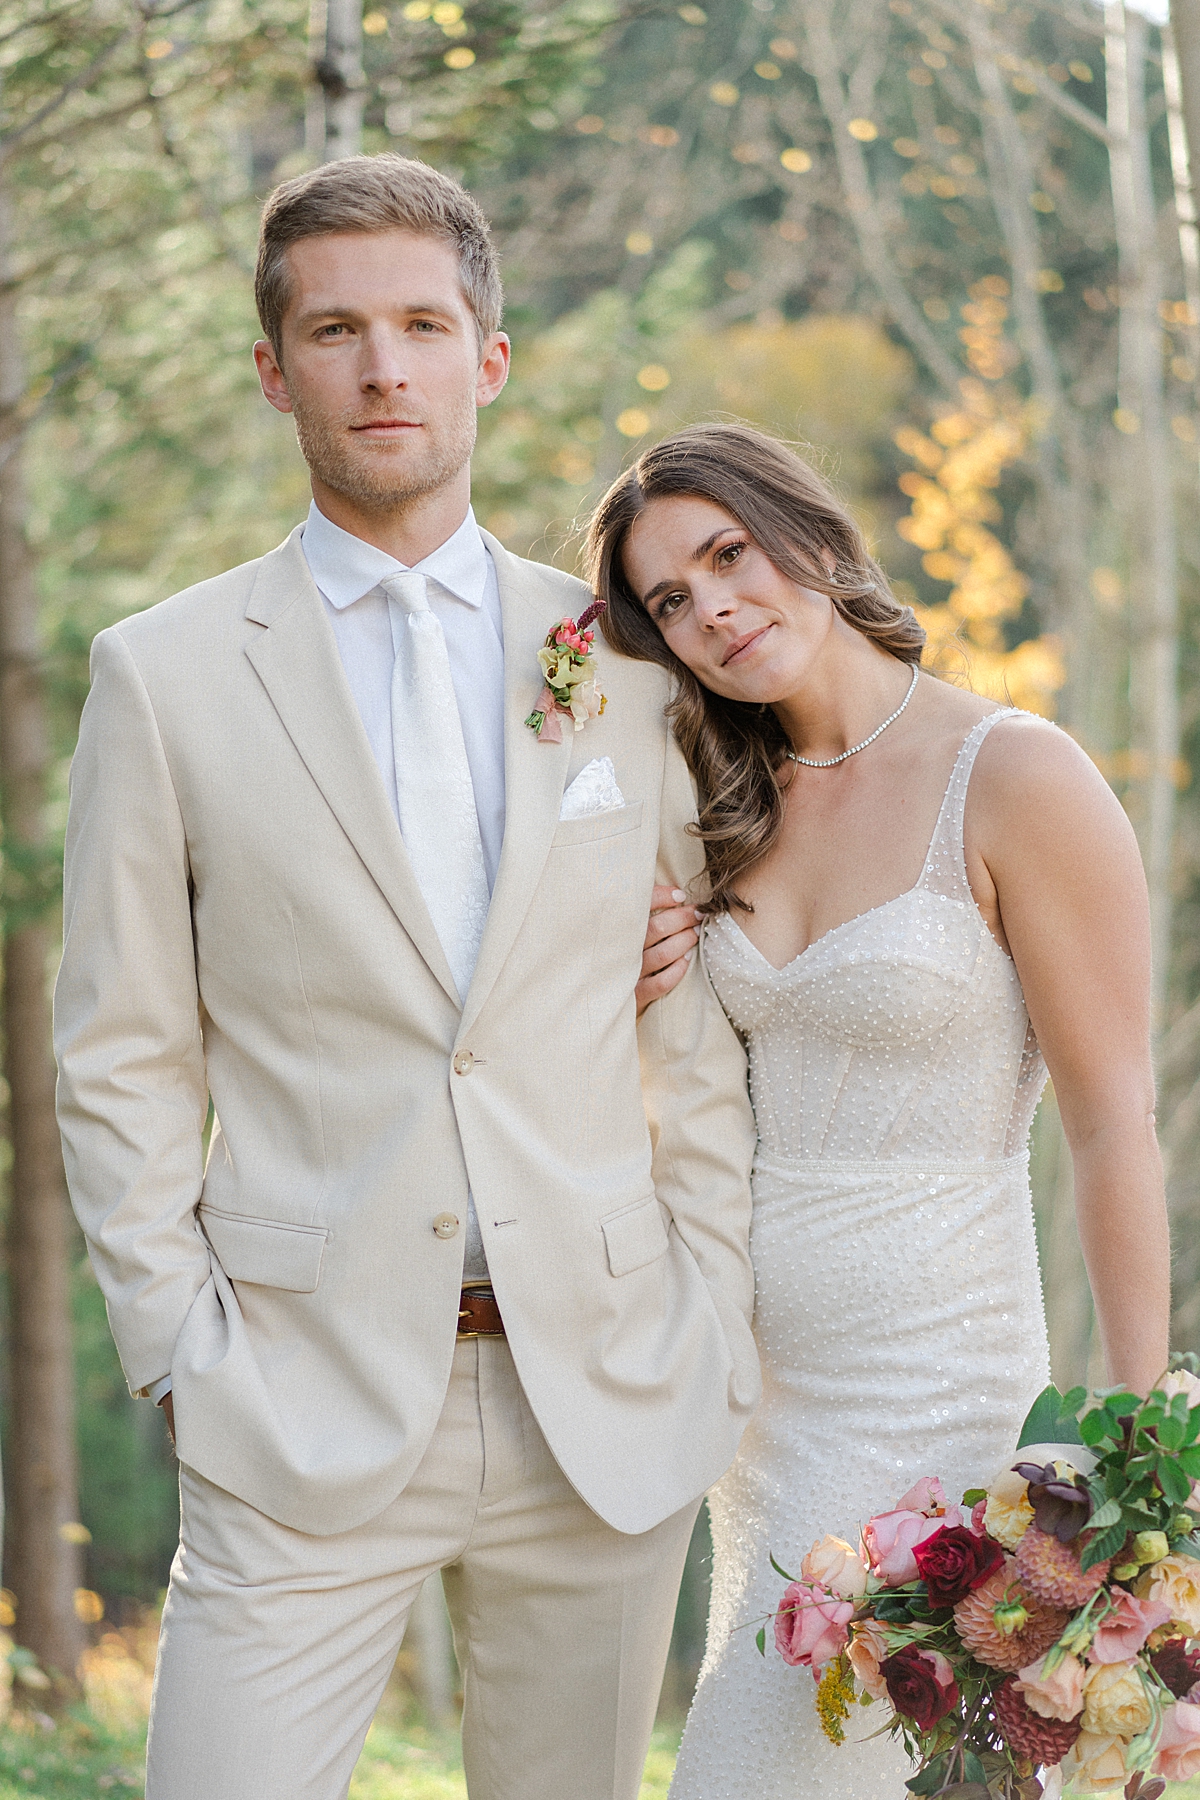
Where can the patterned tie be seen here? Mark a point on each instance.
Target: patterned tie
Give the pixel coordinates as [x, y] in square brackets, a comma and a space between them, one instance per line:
[438, 820]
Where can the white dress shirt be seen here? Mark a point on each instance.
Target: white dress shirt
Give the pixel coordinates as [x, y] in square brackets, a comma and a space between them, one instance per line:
[465, 595]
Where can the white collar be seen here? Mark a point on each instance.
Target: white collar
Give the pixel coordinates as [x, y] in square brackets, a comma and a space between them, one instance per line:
[345, 567]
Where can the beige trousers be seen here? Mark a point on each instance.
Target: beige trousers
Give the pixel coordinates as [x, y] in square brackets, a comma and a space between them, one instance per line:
[276, 1645]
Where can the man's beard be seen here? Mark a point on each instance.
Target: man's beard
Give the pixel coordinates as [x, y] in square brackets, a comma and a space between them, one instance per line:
[368, 471]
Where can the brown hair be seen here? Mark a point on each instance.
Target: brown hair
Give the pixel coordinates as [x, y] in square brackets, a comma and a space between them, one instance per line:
[733, 749]
[375, 193]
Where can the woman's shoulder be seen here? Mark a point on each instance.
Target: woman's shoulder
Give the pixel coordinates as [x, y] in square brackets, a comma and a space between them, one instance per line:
[1034, 784]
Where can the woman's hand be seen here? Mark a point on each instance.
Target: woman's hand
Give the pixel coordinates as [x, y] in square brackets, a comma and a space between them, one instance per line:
[671, 939]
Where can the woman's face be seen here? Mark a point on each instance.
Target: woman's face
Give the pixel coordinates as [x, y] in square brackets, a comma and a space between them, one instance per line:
[744, 629]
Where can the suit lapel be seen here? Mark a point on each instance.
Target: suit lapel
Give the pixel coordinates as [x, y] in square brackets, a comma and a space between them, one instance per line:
[296, 658]
[534, 772]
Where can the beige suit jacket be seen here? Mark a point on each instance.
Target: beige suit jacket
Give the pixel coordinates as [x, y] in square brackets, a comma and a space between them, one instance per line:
[242, 921]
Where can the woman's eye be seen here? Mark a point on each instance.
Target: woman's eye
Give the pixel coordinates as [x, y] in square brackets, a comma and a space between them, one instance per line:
[728, 554]
[670, 603]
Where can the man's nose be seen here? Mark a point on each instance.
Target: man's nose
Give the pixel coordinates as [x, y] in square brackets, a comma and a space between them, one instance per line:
[384, 365]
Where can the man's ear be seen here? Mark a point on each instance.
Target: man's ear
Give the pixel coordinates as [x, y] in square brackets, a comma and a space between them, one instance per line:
[271, 376]
[493, 368]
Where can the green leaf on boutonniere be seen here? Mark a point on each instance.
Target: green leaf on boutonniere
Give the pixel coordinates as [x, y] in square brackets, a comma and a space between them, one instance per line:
[760, 1638]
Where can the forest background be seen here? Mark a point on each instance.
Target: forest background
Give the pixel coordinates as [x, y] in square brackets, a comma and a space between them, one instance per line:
[948, 246]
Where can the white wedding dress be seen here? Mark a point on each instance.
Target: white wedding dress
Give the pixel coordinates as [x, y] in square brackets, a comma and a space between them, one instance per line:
[899, 1317]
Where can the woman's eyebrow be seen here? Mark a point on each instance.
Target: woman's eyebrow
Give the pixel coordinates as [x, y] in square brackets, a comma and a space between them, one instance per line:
[698, 555]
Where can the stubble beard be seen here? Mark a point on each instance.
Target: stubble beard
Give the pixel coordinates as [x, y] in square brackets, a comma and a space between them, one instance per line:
[369, 472]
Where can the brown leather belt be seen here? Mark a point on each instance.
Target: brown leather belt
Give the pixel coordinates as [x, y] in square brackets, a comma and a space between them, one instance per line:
[479, 1314]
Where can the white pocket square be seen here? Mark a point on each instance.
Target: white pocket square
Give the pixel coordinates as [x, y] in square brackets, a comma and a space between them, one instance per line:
[594, 790]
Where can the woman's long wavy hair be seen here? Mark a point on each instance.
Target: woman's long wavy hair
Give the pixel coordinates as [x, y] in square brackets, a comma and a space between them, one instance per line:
[733, 749]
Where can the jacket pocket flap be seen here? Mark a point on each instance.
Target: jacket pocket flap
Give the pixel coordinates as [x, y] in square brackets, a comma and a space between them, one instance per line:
[593, 826]
[264, 1251]
[634, 1236]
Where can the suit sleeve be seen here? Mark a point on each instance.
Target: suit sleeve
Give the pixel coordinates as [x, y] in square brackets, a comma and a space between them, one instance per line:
[696, 1094]
[132, 1094]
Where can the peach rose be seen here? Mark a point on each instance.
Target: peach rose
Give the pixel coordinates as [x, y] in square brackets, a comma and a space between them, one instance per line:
[1095, 1761]
[1115, 1701]
[1176, 1582]
[1179, 1745]
[1007, 1512]
[1124, 1632]
[1058, 1695]
[868, 1647]
[834, 1564]
[1180, 1382]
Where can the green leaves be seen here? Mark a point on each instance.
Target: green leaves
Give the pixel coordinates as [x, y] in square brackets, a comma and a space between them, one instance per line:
[760, 1638]
[1052, 1418]
[1099, 1549]
[1106, 1515]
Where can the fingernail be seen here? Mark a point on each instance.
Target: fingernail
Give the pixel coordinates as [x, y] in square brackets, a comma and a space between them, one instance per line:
[678, 894]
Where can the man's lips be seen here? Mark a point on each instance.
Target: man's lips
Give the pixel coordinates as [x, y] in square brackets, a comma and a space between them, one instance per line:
[742, 645]
[388, 425]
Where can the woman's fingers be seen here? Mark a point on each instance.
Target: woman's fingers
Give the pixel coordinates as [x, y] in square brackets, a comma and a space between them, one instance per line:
[671, 938]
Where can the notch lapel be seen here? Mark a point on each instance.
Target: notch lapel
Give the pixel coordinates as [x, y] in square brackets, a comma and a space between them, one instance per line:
[296, 659]
[534, 773]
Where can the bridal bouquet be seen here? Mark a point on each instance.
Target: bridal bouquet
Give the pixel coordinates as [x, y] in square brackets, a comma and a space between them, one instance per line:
[1040, 1638]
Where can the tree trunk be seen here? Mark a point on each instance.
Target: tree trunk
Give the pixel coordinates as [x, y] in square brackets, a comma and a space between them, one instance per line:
[1141, 418]
[43, 1562]
[335, 118]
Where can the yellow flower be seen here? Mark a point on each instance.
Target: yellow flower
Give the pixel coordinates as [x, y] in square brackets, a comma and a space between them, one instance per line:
[1115, 1702]
[1008, 1512]
[1176, 1579]
[1095, 1761]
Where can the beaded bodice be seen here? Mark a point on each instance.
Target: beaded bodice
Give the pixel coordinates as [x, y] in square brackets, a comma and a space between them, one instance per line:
[901, 1033]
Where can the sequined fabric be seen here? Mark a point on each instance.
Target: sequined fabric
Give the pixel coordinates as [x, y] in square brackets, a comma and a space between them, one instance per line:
[899, 1309]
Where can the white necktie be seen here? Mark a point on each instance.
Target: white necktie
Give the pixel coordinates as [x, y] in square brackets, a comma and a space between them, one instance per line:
[438, 820]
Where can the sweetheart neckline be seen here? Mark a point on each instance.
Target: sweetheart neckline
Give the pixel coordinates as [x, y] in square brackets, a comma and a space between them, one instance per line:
[884, 905]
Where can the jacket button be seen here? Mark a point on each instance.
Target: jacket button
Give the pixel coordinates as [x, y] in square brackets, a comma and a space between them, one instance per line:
[445, 1225]
[464, 1062]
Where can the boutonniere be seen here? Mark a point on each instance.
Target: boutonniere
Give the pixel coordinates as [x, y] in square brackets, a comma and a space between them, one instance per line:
[570, 688]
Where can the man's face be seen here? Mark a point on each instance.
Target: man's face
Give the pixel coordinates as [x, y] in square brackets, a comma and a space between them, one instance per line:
[381, 365]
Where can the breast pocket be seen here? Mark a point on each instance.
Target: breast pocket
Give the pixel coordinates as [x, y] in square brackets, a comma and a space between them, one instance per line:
[593, 827]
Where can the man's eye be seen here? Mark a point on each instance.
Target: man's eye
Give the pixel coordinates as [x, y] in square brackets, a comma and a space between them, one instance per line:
[332, 330]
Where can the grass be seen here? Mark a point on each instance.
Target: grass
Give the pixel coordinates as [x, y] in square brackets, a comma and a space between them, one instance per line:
[80, 1760]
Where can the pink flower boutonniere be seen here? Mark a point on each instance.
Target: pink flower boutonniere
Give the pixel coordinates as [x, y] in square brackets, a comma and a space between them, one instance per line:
[570, 689]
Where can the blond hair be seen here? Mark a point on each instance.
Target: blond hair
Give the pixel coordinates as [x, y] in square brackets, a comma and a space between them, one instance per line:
[369, 194]
[735, 751]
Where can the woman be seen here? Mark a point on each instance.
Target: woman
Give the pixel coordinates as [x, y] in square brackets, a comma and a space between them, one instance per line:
[914, 895]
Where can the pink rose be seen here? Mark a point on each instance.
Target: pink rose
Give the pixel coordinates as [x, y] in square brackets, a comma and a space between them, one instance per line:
[868, 1647]
[812, 1624]
[1058, 1695]
[1124, 1632]
[927, 1496]
[1179, 1747]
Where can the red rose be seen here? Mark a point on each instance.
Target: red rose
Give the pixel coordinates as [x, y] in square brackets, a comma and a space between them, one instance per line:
[920, 1684]
[953, 1561]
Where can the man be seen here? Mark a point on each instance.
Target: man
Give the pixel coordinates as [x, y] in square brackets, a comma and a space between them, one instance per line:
[451, 1291]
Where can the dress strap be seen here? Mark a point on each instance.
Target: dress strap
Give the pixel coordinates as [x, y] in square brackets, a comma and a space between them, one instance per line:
[945, 870]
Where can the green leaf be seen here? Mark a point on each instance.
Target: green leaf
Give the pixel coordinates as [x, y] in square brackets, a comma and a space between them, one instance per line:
[760, 1638]
[1107, 1544]
[1050, 1421]
[973, 1769]
[1093, 1428]
[780, 1571]
[1187, 1546]
[1108, 1514]
[973, 1496]
[930, 1778]
[1189, 1460]
[1172, 1480]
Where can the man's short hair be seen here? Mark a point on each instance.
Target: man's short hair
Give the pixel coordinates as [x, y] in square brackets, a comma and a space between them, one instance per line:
[368, 194]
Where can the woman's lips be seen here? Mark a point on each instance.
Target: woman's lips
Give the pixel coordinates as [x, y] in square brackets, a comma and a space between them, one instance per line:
[742, 646]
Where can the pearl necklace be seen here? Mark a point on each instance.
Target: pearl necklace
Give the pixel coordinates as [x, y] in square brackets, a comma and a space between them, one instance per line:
[829, 761]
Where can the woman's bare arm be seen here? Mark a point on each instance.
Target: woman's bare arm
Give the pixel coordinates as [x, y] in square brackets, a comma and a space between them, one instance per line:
[1050, 846]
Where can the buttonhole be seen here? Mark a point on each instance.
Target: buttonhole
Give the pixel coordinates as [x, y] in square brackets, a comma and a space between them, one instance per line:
[504, 1221]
